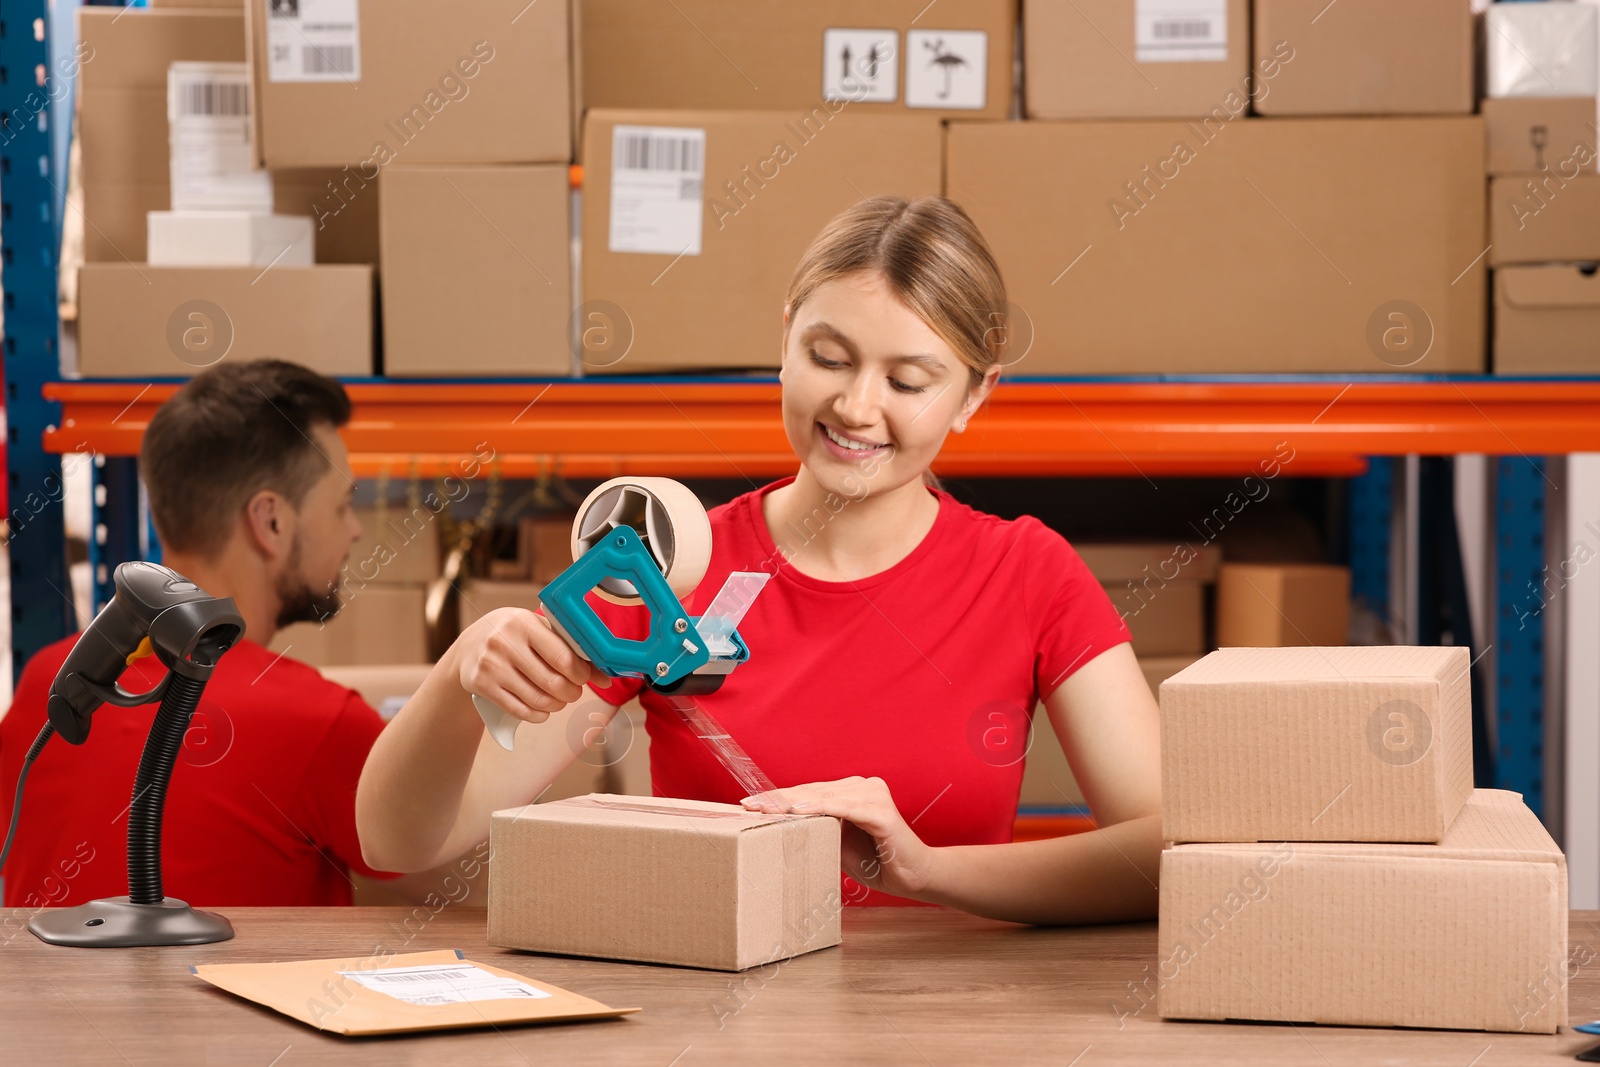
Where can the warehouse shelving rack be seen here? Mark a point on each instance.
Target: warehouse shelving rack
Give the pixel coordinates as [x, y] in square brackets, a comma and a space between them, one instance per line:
[1366, 429]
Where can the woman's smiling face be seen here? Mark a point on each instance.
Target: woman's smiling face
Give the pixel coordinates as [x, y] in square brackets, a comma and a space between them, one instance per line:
[869, 389]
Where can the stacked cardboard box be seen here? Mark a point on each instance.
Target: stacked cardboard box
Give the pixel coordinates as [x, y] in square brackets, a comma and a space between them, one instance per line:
[1159, 590]
[1272, 605]
[1544, 192]
[1330, 860]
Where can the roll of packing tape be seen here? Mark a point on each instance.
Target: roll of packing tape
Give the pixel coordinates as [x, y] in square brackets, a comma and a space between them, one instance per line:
[668, 518]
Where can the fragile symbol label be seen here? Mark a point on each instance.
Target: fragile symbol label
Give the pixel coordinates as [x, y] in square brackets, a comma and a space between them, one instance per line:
[947, 69]
[861, 66]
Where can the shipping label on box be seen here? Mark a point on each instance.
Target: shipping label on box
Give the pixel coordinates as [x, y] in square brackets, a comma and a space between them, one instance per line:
[313, 40]
[1469, 933]
[659, 880]
[1180, 31]
[657, 189]
[208, 126]
[1316, 744]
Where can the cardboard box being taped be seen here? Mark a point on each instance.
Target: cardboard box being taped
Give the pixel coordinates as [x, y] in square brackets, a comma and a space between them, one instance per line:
[1316, 744]
[659, 880]
[1470, 933]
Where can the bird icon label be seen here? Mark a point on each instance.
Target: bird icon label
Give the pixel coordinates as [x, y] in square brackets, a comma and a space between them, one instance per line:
[947, 69]
[861, 66]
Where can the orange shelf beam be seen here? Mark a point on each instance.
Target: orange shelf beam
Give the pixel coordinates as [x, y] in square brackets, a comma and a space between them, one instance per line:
[592, 429]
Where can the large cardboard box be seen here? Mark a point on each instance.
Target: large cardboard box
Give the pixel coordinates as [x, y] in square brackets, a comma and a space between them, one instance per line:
[1271, 605]
[1546, 320]
[1469, 933]
[1249, 246]
[1531, 134]
[1368, 57]
[477, 271]
[692, 232]
[1546, 218]
[1112, 59]
[122, 127]
[391, 82]
[1316, 744]
[378, 624]
[139, 321]
[951, 59]
[663, 881]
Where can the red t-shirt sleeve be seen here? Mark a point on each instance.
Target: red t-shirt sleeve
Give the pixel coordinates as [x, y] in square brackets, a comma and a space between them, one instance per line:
[1071, 613]
[329, 790]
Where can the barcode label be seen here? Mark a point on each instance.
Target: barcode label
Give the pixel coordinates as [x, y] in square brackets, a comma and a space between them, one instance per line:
[1181, 31]
[332, 59]
[212, 99]
[658, 152]
[433, 985]
[314, 41]
[657, 189]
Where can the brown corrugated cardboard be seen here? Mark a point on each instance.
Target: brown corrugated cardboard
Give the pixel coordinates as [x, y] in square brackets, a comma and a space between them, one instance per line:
[767, 54]
[140, 321]
[1368, 57]
[378, 624]
[477, 81]
[663, 881]
[1529, 134]
[1167, 621]
[122, 114]
[476, 271]
[771, 180]
[338, 995]
[1270, 605]
[1546, 320]
[1102, 59]
[1253, 246]
[1552, 217]
[1470, 933]
[399, 543]
[1316, 744]
[343, 208]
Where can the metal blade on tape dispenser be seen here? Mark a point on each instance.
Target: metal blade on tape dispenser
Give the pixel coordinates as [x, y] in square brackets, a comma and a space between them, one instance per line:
[722, 617]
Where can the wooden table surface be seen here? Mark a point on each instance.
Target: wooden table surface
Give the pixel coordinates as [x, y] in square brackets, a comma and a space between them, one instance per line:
[909, 985]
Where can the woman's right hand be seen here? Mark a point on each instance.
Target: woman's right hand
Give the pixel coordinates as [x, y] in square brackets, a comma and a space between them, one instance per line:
[514, 658]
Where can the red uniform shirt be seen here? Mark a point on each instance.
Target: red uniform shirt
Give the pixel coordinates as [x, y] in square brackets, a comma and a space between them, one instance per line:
[260, 810]
[925, 675]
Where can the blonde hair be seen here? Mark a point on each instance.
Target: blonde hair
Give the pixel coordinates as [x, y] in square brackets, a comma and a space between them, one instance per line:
[935, 261]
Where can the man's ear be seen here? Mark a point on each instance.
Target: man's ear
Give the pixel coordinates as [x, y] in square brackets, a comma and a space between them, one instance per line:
[270, 524]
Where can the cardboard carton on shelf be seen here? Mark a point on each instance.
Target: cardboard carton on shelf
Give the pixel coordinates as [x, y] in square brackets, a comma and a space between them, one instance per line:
[1547, 319]
[476, 271]
[697, 217]
[1108, 59]
[953, 59]
[1271, 605]
[410, 81]
[1159, 590]
[1469, 933]
[1549, 217]
[658, 880]
[1316, 744]
[378, 624]
[1367, 57]
[139, 321]
[1250, 246]
[1532, 134]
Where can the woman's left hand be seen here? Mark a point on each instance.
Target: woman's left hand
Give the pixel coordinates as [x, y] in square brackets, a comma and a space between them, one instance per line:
[878, 849]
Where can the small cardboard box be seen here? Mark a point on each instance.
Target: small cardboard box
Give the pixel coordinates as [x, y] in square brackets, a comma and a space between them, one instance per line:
[1533, 134]
[476, 271]
[702, 216]
[1316, 744]
[1553, 217]
[663, 881]
[399, 543]
[139, 321]
[946, 60]
[378, 624]
[1271, 605]
[411, 81]
[1469, 934]
[1158, 589]
[1236, 235]
[1546, 320]
[1368, 57]
[1111, 59]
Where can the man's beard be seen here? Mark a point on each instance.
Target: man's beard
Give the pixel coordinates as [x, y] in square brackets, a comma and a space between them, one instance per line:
[297, 600]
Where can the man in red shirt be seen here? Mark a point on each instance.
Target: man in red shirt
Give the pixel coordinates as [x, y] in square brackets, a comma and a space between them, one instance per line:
[250, 490]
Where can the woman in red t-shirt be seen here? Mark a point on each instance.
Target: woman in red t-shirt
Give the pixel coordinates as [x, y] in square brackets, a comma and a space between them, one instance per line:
[897, 651]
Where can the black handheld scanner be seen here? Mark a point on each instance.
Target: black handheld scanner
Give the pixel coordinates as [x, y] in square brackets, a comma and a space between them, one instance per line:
[157, 610]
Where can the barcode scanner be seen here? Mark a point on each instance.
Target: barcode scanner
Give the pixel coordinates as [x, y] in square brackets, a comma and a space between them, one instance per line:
[156, 611]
